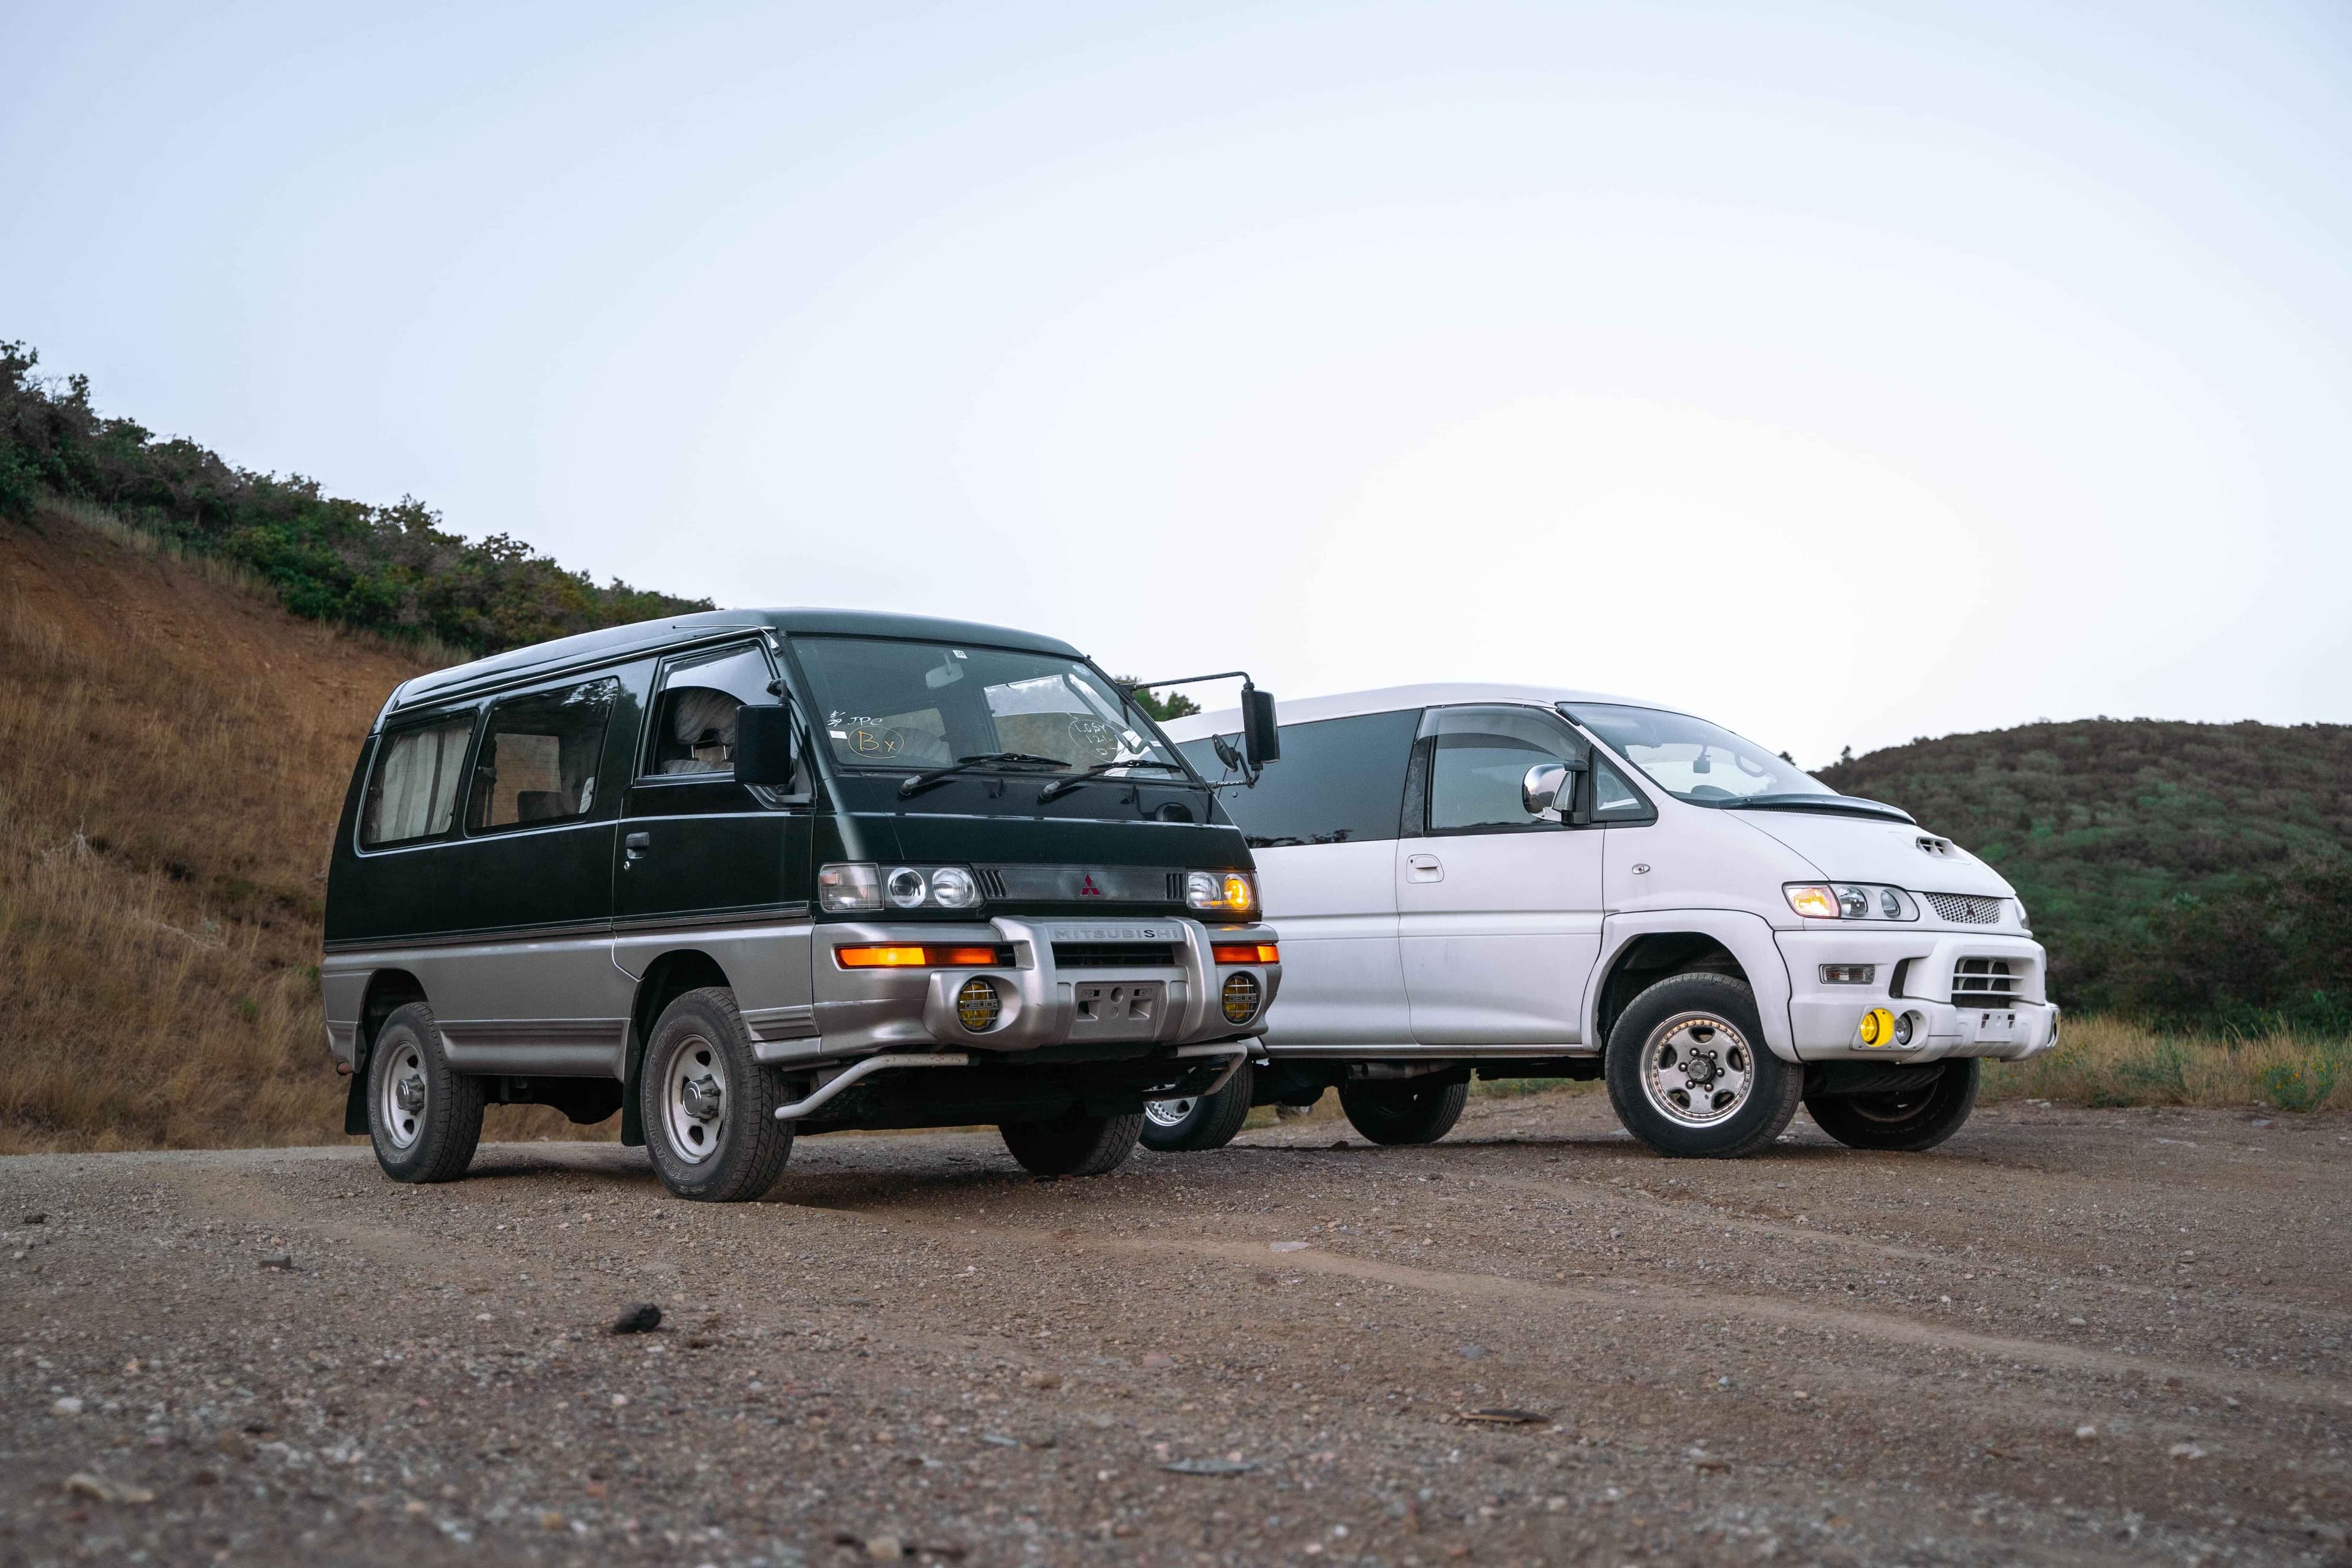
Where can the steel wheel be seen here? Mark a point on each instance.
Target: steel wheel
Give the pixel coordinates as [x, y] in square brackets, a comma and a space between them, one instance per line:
[1698, 1070]
[401, 1105]
[694, 1099]
[1168, 1112]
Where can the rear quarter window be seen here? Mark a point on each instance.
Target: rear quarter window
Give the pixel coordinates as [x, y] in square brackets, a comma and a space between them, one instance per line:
[414, 783]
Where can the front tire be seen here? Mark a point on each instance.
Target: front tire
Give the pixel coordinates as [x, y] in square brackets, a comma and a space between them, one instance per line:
[1208, 1122]
[1397, 1111]
[1689, 1073]
[1907, 1121]
[424, 1117]
[1073, 1143]
[709, 1105]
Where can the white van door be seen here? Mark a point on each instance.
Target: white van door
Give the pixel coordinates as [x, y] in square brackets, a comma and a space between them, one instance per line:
[1498, 909]
[1322, 825]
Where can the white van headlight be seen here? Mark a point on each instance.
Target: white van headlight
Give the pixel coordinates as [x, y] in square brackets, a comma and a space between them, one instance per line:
[1850, 901]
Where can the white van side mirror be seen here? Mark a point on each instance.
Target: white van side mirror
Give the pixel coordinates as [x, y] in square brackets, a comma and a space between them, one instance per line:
[1542, 789]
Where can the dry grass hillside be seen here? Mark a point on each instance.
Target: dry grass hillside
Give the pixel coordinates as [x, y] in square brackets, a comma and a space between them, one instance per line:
[174, 752]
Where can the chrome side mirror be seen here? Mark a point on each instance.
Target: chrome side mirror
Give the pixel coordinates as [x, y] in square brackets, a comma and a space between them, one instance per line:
[1540, 790]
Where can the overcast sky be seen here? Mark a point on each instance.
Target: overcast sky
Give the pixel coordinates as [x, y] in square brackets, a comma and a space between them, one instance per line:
[1843, 372]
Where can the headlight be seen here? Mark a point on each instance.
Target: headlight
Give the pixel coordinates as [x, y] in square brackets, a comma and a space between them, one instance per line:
[1850, 901]
[953, 889]
[848, 889]
[1223, 893]
[2025, 921]
[1814, 901]
[859, 887]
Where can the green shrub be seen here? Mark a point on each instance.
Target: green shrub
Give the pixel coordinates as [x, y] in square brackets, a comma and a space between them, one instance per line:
[2299, 1086]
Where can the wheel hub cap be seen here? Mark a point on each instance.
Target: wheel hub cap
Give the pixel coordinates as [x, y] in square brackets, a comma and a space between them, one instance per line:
[695, 1101]
[1167, 1112]
[409, 1092]
[1697, 1070]
[699, 1096]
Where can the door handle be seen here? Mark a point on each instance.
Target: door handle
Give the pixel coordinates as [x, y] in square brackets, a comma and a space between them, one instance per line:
[1423, 868]
[637, 845]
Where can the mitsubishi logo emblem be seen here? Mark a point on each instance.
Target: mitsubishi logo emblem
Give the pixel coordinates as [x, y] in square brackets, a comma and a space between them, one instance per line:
[1087, 888]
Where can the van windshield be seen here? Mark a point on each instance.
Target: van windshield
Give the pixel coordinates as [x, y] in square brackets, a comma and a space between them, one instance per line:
[918, 705]
[1693, 759]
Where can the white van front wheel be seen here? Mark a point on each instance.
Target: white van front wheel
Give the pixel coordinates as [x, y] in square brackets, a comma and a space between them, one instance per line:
[1689, 1073]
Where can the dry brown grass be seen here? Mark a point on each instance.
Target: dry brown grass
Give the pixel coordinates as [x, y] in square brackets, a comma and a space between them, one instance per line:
[174, 752]
[2111, 1061]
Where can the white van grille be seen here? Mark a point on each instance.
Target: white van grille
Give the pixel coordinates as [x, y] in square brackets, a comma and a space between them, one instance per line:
[1962, 909]
[1984, 983]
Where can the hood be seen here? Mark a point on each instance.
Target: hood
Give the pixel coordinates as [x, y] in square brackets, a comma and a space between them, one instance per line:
[1856, 849]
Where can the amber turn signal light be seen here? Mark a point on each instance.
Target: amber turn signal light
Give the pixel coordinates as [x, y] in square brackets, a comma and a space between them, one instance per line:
[894, 957]
[1246, 952]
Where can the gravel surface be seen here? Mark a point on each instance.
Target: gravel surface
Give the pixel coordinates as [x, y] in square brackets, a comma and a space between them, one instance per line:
[2068, 1336]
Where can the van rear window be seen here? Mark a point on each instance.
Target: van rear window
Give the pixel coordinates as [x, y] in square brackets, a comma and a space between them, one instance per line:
[412, 791]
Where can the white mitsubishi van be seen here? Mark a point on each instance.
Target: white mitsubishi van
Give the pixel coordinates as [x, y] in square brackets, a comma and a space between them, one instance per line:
[1520, 881]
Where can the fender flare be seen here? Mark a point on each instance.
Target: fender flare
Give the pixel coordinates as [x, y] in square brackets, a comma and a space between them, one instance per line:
[1747, 937]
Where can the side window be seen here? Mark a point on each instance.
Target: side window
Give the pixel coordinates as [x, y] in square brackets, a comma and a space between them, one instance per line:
[1613, 799]
[1339, 781]
[693, 731]
[412, 792]
[1481, 756]
[540, 758]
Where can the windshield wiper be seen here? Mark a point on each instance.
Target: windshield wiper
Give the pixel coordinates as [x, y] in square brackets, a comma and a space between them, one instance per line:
[917, 782]
[1852, 804]
[1061, 787]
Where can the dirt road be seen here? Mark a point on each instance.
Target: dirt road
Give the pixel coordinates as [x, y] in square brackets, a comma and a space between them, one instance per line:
[2068, 1336]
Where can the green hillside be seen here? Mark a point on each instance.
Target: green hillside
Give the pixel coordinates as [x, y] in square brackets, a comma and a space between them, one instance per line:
[390, 569]
[2183, 871]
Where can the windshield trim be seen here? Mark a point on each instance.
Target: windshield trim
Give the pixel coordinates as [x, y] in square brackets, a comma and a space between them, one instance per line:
[804, 693]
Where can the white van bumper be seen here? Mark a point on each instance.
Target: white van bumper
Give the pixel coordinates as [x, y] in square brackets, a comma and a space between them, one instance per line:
[1960, 994]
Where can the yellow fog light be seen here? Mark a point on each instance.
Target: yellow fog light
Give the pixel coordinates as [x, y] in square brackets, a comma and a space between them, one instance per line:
[978, 1005]
[1877, 1026]
[1240, 997]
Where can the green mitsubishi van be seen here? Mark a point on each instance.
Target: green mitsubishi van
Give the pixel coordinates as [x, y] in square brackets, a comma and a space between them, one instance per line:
[746, 874]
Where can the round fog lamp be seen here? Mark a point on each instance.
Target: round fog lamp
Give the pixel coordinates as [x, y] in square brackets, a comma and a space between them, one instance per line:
[978, 1005]
[1877, 1026]
[1241, 997]
[906, 888]
[1903, 1026]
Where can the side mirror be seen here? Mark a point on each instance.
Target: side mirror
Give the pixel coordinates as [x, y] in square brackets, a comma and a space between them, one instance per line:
[1261, 734]
[763, 746]
[1544, 786]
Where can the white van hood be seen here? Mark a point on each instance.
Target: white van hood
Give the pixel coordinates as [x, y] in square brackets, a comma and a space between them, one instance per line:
[1858, 850]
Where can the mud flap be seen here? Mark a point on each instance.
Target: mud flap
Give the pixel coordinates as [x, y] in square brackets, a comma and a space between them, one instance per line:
[355, 1102]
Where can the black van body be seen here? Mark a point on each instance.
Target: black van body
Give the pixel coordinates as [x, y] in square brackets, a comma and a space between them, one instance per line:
[975, 859]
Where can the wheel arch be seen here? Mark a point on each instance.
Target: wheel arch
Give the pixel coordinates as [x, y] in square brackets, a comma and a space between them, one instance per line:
[1637, 952]
[666, 979]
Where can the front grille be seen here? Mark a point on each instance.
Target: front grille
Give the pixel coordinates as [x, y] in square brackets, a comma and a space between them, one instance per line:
[1965, 909]
[1984, 983]
[1115, 955]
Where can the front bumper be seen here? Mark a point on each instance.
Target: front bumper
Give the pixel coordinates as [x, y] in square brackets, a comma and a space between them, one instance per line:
[1170, 995]
[1825, 1020]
